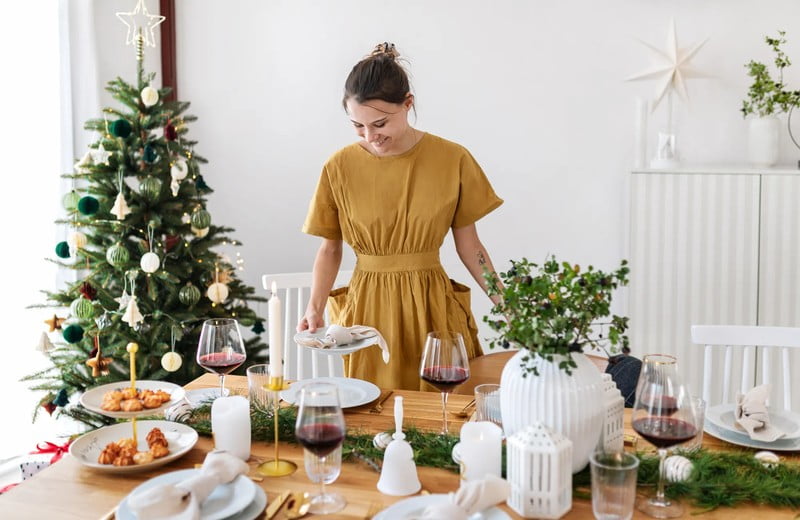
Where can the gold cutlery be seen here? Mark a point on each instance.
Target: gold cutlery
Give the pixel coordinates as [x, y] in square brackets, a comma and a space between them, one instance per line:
[277, 504]
[297, 505]
[465, 412]
[378, 408]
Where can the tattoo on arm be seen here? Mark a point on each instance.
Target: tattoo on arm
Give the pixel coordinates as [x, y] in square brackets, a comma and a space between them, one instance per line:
[481, 259]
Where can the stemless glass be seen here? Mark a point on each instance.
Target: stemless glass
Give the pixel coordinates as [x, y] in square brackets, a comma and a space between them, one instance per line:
[320, 429]
[444, 365]
[220, 349]
[664, 414]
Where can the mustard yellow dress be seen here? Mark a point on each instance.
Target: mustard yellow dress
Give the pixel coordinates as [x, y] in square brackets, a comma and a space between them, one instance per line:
[395, 212]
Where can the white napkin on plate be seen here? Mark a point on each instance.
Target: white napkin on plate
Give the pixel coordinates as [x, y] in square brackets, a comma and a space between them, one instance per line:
[752, 415]
[338, 335]
[472, 497]
[182, 500]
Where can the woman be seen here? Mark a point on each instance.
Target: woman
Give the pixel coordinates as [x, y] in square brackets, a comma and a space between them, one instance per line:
[392, 197]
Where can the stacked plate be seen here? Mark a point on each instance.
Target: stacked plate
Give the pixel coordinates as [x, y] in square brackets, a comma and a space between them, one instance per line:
[242, 499]
[721, 422]
[352, 392]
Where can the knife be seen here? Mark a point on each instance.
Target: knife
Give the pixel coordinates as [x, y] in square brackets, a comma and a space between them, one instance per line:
[277, 504]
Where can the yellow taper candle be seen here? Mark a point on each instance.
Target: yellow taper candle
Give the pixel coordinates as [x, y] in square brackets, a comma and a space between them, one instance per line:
[132, 348]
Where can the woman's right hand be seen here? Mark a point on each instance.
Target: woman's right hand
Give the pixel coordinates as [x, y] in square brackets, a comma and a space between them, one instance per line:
[311, 321]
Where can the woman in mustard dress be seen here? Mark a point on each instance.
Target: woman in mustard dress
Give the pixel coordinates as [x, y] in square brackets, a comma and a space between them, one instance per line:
[393, 196]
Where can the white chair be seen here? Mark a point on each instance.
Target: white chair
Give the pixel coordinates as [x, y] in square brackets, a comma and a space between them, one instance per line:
[762, 352]
[294, 289]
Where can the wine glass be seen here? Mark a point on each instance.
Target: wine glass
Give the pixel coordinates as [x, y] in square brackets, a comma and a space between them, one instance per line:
[444, 365]
[320, 429]
[664, 414]
[220, 349]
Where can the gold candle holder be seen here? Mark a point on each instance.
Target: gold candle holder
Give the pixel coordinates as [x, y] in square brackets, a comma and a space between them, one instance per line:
[276, 467]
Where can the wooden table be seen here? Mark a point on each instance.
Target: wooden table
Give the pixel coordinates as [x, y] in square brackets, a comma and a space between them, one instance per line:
[67, 490]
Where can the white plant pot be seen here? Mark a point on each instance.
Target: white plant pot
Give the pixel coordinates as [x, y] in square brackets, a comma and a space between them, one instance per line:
[762, 141]
[569, 404]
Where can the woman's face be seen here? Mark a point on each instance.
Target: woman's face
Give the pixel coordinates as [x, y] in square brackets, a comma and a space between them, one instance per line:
[383, 126]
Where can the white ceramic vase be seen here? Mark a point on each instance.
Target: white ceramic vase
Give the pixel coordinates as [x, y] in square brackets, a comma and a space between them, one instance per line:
[762, 141]
[569, 404]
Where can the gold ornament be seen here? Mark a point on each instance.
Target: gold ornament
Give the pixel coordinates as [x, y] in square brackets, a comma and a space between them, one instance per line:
[171, 361]
[99, 364]
[55, 322]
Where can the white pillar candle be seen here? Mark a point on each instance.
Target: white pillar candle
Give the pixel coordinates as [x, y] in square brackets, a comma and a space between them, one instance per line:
[230, 424]
[480, 450]
[275, 340]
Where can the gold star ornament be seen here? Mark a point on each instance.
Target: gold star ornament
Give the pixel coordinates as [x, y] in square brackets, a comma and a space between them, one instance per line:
[55, 323]
[99, 364]
[140, 21]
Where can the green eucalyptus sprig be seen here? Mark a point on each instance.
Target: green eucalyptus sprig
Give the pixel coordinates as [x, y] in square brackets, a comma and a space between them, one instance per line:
[555, 309]
[767, 96]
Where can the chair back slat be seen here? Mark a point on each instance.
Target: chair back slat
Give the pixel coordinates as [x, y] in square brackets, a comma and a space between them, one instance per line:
[787, 377]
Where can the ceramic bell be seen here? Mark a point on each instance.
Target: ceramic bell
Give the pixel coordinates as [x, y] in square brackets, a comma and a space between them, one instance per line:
[399, 472]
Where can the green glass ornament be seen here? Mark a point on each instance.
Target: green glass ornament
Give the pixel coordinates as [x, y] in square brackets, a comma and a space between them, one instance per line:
[73, 333]
[189, 295]
[117, 255]
[88, 205]
[150, 189]
[82, 308]
[120, 128]
[154, 222]
[70, 200]
[150, 154]
[201, 219]
[62, 250]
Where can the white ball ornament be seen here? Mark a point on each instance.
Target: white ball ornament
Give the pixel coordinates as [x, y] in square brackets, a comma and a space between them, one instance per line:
[171, 361]
[76, 240]
[181, 412]
[149, 96]
[217, 292]
[678, 468]
[767, 459]
[179, 170]
[381, 440]
[150, 262]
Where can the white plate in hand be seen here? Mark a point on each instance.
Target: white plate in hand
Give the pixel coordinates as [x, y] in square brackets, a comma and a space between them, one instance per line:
[225, 501]
[352, 392]
[93, 398]
[86, 448]
[348, 348]
[413, 507]
[723, 416]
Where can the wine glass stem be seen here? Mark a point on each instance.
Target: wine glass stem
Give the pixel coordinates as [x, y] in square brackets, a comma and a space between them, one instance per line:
[221, 385]
[322, 480]
[444, 413]
[662, 455]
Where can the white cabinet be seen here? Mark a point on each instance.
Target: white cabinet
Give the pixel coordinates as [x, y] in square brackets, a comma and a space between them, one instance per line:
[711, 246]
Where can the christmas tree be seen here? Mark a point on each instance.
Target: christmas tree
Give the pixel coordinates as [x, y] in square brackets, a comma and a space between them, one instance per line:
[141, 241]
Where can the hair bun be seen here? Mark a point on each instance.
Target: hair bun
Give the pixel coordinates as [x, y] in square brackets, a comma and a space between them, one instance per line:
[385, 49]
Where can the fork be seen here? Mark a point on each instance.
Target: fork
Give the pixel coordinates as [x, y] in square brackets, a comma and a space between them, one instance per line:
[378, 408]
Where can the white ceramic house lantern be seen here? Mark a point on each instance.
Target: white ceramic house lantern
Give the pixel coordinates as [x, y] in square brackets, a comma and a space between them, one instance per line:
[612, 438]
[539, 469]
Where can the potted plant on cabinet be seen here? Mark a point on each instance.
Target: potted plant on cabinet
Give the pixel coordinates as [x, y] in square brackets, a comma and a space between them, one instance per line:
[766, 98]
[551, 312]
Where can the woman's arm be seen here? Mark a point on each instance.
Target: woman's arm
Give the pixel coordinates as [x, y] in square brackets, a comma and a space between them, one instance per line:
[326, 267]
[473, 255]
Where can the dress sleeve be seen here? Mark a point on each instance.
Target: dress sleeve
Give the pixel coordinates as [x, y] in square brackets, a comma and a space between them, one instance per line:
[476, 198]
[323, 213]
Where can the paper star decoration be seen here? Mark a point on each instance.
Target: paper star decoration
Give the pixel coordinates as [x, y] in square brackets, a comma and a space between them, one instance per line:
[99, 364]
[100, 155]
[672, 68]
[133, 20]
[55, 322]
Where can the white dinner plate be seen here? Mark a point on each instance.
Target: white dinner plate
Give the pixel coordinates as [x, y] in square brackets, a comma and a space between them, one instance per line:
[93, 398]
[87, 447]
[414, 506]
[744, 440]
[723, 416]
[225, 501]
[352, 392]
[349, 348]
[203, 395]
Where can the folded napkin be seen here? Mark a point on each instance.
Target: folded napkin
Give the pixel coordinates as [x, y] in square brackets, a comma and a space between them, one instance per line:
[752, 415]
[182, 500]
[472, 497]
[338, 335]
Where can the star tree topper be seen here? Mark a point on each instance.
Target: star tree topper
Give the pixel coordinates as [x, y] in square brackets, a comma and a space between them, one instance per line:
[140, 20]
[672, 67]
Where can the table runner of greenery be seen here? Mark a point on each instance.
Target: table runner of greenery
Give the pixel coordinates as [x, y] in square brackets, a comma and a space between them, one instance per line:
[718, 478]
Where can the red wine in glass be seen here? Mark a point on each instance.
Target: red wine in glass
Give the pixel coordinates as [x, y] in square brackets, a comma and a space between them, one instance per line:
[220, 362]
[320, 439]
[444, 378]
[663, 432]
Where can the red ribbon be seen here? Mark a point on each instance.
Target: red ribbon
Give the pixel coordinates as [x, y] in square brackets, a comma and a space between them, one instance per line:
[49, 447]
